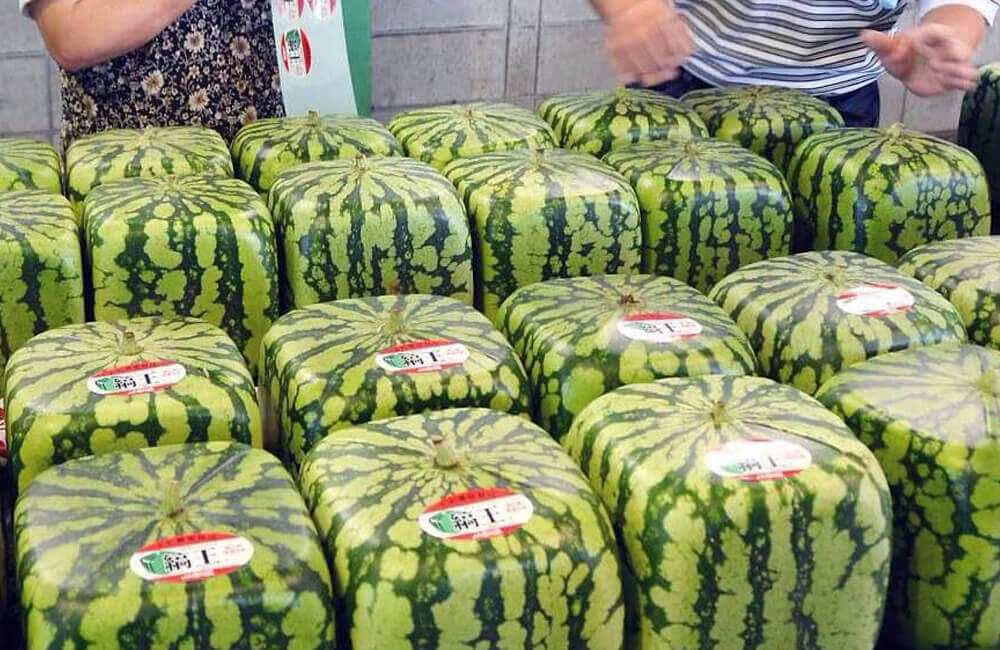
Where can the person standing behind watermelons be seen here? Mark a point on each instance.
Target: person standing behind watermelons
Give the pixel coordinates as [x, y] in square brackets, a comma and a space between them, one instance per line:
[834, 50]
[136, 63]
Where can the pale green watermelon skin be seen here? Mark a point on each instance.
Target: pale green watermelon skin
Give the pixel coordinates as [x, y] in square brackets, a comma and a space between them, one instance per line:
[788, 308]
[599, 121]
[53, 416]
[370, 227]
[720, 562]
[264, 148]
[133, 153]
[195, 246]
[568, 334]
[967, 273]
[77, 589]
[931, 417]
[320, 371]
[539, 215]
[439, 134]
[555, 582]
[41, 268]
[27, 164]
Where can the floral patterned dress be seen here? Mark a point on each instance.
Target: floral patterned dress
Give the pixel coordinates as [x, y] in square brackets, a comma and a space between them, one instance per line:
[215, 66]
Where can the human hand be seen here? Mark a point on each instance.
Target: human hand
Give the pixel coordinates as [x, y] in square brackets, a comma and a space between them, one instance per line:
[648, 41]
[930, 59]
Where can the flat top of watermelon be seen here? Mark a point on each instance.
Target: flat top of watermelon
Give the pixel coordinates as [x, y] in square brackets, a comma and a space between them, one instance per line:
[946, 393]
[174, 196]
[895, 146]
[35, 208]
[624, 99]
[703, 160]
[763, 102]
[947, 264]
[28, 148]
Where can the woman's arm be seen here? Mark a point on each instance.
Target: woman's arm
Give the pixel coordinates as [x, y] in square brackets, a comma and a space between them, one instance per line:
[83, 33]
[648, 41]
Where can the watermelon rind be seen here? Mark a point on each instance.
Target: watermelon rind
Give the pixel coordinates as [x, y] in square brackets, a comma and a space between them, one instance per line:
[27, 164]
[977, 129]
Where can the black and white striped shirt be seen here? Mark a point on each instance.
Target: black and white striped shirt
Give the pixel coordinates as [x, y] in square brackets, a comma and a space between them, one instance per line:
[811, 45]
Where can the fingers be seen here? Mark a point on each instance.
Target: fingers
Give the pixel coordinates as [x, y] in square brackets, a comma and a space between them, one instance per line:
[648, 43]
[946, 56]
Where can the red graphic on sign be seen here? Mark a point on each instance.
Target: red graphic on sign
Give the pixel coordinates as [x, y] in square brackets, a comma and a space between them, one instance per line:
[296, 54]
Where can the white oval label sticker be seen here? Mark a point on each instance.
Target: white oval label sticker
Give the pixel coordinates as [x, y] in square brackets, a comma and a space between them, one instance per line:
[658, 327]
[874, 299]
[758, 459]
[422, 356]
[191, 558]
[477, 514]
[136, 378]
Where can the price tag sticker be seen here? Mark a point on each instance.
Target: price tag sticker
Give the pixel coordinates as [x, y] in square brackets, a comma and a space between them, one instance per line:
[422, 356]
[136, 378]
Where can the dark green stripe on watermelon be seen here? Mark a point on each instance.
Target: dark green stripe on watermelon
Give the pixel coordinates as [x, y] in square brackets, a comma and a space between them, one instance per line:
[262, 149]
[569, 334]
[883, 193]
[29, 165]
[977, 129]
[966, 272]
[788, 307]
[369, 227]
[41, 270]
[598, 121]
[552, 583]
[769, 120]
[931, 416]
[708, 208]
[131, 153]
[79, 524]
[320, 372]
[195, 246]
[542, 215]
[439, 134]
[796, 561]
[53, 417]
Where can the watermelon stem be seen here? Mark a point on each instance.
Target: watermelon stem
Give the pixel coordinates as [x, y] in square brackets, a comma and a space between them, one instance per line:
[895, 130]
[172, 506]
[445, 455]
[129, 347]
[628, 300]
[395, 326]
[312, 118]
[718, 414]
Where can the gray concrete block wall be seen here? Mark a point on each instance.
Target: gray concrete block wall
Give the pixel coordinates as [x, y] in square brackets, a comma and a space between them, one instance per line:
[440, 51]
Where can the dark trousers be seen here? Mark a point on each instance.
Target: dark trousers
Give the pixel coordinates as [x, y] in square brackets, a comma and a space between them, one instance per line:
[858, 108]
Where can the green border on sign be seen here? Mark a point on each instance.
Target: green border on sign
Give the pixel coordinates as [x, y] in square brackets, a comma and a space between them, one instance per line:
[357, 29]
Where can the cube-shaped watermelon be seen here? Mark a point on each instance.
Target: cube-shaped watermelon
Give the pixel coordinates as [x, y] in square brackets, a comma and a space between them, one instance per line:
[27, 164]
[464, 528]
[931, 416]
[328, 366]
[101, 387]
[749, 515]
[539, 215]
[967, 273]
[708, 208]
[265, 147]
[598, 121]
[439, 134]
[583, 337]
[370, 227]
[193, 246]
[884, 192]
[184, 546]
[41, 272]
[809, 316]
[93, 160]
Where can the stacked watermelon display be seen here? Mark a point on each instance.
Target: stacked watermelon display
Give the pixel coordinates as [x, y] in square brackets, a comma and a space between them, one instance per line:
[100, 387]
[440, 134]
[368, 227]
[769, 120]
[583, 337]
[41, 270]
[539, 215]
[183, 546]
[133, 153]
[29, 165]
[967, 272]
[328, 366]
[931, 416]
[264, 148]
[598, 121]
[749, 515]
[461, 529]
[708, 208]
[977, 129]
[882, 193]
[809, 316]
[195, 246]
